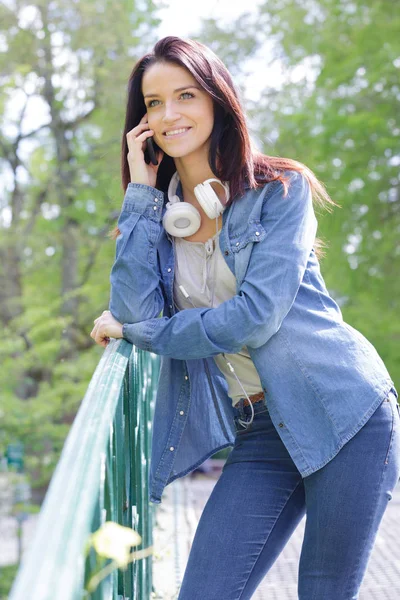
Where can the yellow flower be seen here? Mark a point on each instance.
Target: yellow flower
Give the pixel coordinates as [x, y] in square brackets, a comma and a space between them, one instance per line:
[114, 541]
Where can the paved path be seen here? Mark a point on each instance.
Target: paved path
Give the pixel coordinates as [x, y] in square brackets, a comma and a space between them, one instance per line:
[177, 518]
[176, 522]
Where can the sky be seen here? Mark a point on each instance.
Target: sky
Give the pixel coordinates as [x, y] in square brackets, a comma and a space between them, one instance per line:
[175, 15]
[184, 19]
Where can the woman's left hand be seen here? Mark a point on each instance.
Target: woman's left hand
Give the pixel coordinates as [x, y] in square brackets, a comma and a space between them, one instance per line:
[106, 327]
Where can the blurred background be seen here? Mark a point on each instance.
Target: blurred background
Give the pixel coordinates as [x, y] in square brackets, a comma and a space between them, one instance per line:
[320, 83]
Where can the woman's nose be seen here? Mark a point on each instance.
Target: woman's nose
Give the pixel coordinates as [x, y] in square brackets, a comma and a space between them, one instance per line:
[170, 113]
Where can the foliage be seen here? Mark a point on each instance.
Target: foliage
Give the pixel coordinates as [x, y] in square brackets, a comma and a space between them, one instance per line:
[7, 576]
[331, 100]
[64, 67]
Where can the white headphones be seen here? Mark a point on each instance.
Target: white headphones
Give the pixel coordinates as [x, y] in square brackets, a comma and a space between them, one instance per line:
[182, 219]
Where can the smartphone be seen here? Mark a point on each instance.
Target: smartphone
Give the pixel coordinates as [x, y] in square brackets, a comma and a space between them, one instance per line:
[150, 152]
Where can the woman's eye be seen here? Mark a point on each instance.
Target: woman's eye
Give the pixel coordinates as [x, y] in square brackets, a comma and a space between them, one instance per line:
[183, 94]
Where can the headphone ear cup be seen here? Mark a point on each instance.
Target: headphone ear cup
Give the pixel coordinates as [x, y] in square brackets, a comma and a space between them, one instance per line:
[208, 198]
[181, 219]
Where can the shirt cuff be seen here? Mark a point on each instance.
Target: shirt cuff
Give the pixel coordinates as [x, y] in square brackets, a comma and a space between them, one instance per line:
[144, 200]
[140, 334]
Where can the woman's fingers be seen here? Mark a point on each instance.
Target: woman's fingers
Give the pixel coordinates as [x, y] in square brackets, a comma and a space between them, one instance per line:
[94, 330]
[98, 318]
[98, 335]
[106, 327]
[134, 133]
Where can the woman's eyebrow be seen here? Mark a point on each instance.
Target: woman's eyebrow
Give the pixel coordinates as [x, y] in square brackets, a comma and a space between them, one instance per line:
[186, 87]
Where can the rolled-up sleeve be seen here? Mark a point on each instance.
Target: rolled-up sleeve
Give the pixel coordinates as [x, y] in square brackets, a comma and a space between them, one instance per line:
[273, 277]
[135, 293]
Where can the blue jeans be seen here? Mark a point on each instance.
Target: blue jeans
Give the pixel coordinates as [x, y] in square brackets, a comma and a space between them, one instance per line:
[260, 498]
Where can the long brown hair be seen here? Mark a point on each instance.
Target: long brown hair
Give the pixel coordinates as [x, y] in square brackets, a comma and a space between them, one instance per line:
[243, 168]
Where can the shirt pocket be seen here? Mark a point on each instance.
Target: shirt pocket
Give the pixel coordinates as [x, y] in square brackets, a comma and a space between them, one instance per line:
[252, 232]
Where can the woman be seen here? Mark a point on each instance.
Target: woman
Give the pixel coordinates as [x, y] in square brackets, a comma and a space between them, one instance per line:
[254, 352]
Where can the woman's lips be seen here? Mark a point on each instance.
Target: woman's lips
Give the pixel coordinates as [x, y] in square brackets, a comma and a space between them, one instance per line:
[177, 135]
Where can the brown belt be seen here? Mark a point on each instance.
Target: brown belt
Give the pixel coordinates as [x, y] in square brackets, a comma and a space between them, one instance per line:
[254, 398]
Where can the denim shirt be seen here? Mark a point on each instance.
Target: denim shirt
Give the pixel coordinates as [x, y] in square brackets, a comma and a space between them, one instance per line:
[322, 379]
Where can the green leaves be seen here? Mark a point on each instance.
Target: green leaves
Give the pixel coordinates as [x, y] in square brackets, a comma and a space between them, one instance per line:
[64, 77]
[334, 107]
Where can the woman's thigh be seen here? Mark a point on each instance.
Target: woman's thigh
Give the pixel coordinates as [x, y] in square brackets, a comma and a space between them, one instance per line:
[345, 503]
[251, 513]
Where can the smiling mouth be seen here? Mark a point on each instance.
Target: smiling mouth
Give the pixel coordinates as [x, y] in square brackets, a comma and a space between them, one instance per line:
[176, 135]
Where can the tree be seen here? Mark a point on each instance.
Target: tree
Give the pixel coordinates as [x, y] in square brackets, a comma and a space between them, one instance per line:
[63, 80]
[335, 106]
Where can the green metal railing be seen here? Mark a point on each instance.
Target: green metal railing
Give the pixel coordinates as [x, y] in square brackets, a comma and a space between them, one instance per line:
[102, 475]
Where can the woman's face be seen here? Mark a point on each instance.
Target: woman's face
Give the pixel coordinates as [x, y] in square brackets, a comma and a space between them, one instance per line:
[175, 100]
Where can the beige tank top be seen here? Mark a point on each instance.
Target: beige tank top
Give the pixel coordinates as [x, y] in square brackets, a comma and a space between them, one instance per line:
[194, 269]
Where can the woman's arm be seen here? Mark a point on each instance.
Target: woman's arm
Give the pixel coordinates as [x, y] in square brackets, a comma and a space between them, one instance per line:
[276, 269]
[135, 277]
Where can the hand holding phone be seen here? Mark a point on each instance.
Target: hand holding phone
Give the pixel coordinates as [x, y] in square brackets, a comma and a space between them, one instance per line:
[144, 155]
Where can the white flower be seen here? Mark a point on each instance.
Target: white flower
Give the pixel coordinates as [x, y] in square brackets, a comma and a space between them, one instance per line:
[114, 541]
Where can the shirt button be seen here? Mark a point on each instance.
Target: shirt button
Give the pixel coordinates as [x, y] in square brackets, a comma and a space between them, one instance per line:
[181, 412]
[186, 377]
[169, 270]
[170, 305]
[280, 424]
[172, 448]
[154, 207]
[155, 199]
[257, 233]
[237, 243]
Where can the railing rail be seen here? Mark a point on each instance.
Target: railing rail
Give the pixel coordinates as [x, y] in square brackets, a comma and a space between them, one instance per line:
[102, 475]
